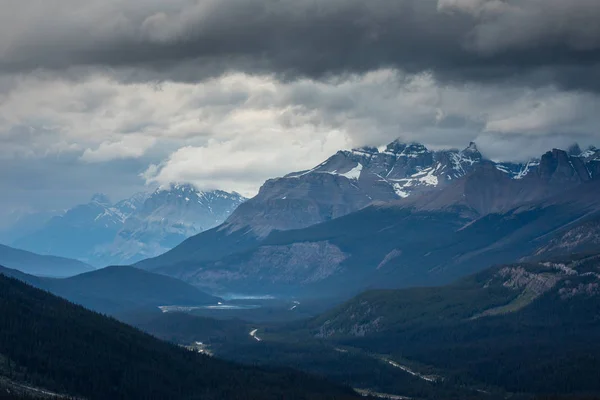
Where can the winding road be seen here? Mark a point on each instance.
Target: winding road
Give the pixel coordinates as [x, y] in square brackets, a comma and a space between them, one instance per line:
[253, 334]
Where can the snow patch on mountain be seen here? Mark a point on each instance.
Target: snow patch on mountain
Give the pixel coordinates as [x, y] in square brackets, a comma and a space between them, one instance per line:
[354, 173]
[424, 178]
[526, 169]
[407, 168]
[427, 177]
[399, 189]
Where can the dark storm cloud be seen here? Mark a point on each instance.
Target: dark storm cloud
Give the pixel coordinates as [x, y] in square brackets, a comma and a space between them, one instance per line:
[534, 41]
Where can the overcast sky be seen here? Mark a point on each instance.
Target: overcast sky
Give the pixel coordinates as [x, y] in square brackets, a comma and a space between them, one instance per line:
[114, 95]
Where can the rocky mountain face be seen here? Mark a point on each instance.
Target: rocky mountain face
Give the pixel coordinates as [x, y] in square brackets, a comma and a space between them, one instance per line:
[387, 246]
[582, 237]
[491, 187]
[346, 182]
[500, 290]
[145, 225]
[167, 217]
[393, 218]
[351, 180]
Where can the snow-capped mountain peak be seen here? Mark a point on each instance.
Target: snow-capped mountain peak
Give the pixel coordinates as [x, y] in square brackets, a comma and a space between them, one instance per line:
[132, 204]
[365, 151]
[396, 147]
[177, 188]
[414, 150]
[472, 148]
[591, 153]
[401, 169]
[141, 226]
[189, 193]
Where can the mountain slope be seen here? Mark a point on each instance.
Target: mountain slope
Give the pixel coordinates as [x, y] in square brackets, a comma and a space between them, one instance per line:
[351, 180]
[117, 290]
[182, 328]
[211, 245]
[527, 327]
[145, 225]
[346, 182]
[455, 208]
[511, 331]
[392, 246]
[37, 264]
[314, 258]
[497, 291]
[166, 218]
[68, 349]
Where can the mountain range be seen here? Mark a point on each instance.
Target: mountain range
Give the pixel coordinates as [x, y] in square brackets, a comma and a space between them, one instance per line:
[118, 289]
[41, 265]
[466, 278]
[395, 217]
[145, 225]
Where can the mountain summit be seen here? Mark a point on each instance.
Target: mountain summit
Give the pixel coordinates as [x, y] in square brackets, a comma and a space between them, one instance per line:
[351, 180]
[144, 225]
[348, 181]
[404, 215]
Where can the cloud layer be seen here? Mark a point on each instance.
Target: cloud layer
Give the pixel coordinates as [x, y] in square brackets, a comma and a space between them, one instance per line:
[533, 41]
[235, 131]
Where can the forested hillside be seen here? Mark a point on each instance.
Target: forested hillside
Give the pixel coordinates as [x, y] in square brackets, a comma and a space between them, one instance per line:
[528, 327]
[62, 347]
[520, 330]
[118, 289]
